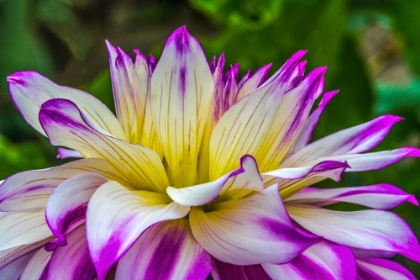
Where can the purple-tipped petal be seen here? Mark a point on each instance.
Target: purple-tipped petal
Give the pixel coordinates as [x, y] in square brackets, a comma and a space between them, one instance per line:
[35, 268]
[165, 251]
[378, 269]
[354, 140]
[72, 261]
[213, 64]
[128, 214]
[219, 86]
[66, 208]
[30, 190]
[251, 84]
[65, 126]
[126, 89]
[63, 153]
[322, 261]
[182, 91]
[227, 271]
[30, 90]
[381, 196]
[252, 230]
[152, 64]
[246, 177]
[18, 229]
[264, 124]
[244, 79]
[310, 124]
[366, 229]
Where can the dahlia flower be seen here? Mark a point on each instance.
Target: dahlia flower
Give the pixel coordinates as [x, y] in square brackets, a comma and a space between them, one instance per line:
[198, 174]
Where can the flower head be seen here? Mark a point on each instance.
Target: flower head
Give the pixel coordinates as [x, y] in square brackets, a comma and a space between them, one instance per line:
[197, 174]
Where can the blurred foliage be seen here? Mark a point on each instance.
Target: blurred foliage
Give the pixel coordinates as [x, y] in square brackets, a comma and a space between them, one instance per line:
[371, 48]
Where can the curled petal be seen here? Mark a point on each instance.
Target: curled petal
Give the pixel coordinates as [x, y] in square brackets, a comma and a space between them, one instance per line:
[381, 196]
[253, 230]
[366, 229]
[165, 251]
[30, 90]
[354, 140]
[182, 88]
[128, 214]
[66, 208]
[65, 126]
[227, 271]
[30, 190]
[72, 261]
[35, 268]
[324, 260]
[246, 177]
[377, 269]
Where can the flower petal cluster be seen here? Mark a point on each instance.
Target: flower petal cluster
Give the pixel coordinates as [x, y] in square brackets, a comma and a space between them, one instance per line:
[198, 173]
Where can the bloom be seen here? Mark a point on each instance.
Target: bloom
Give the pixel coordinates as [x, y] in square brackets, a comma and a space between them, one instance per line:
[190, 177]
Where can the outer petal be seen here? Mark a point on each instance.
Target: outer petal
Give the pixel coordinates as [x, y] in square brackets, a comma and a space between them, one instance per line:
[366, 229]
[357, 139]
[321, 261]
[14, 270]
[310, 124]
[66, 208]
[9, 255]
[65, 126]
[36, 266]
[182, 89]
[381, 196]
[382, 269]
[254, 82]
[165, 251]
[17, 229]
[265, 124]
[292, 180]
[254, 230]
[227, 271]
[30, 190]
[128, 214]
[246, 177]
[72, 261]
[30, 90]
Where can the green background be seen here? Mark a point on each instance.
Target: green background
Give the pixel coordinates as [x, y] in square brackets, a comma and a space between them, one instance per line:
[371, 48]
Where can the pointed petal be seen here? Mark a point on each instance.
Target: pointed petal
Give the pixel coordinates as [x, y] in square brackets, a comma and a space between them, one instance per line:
[310, 124]
[182, 89]
[366, 229]
[259, 77]
[128, 215]
[373, 161]
[30, 90]
[36, 266]
[66, 208]
[381, 196]
[253, 230]
[295, 179]
[245, 78]
[324, 260]
[17, 229]
[246, 177]
[227, 271]
[72, 261]
[225, 93]
[30, 190]
[14, 270]
[382, 269]
[165, 251]
[65, 126]
[265, 124]
[126, 88]
[354, 140]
